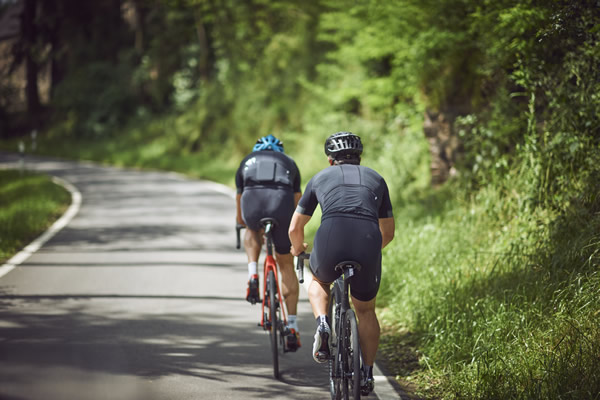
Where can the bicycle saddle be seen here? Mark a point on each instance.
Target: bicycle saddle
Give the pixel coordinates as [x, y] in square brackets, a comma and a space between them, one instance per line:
[266, 221]
[347, 264]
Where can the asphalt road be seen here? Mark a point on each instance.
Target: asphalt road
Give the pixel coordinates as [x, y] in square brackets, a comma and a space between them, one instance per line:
[141, 296]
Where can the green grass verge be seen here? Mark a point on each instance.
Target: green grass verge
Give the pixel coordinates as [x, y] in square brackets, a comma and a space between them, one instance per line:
[497, 299]
[29, 203]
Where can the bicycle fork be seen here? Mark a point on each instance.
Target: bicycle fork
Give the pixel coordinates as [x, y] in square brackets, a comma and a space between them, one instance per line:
[266, 323]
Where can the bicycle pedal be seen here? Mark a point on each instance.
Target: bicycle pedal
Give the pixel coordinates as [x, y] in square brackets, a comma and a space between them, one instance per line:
[322, 357]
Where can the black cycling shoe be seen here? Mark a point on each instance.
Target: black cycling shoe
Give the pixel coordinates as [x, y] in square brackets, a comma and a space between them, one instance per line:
[367, 382]
[252, 295]
[292, 340]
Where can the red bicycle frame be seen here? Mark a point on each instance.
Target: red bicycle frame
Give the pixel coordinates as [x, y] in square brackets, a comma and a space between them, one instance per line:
[271, 265]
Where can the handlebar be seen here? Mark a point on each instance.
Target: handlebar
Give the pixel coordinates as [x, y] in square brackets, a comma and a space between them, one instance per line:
[238, 228]
[300, 265]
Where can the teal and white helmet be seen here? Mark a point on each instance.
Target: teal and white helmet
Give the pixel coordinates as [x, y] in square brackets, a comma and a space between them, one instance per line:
[268, 142]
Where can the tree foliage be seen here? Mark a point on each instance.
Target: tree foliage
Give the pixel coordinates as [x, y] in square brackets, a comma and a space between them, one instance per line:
[517, 80]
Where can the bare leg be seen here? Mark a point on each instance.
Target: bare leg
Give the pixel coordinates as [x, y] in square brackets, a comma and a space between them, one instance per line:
[289, 282]
[318, 294]
[252, 244]
[368, 328]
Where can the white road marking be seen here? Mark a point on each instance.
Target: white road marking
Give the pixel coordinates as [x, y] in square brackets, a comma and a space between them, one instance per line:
[34, 246]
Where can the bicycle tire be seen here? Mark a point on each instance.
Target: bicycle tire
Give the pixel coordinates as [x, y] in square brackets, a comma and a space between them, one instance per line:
[351, 357]
[333, 312]
[273, 318]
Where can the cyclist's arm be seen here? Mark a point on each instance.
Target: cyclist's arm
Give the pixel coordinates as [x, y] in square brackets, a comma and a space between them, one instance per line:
[238, 209]
[297, 196]
[387, 227]
[239, 185]
[296, 232]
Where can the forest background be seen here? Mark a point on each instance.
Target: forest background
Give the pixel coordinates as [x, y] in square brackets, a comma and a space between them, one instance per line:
[481, 115]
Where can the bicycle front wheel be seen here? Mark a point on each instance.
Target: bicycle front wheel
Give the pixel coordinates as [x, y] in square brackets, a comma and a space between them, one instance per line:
[274, 320]
[351, 357]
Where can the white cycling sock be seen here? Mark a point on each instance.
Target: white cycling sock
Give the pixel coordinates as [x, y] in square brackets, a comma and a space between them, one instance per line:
[292, 322]
[252, 269]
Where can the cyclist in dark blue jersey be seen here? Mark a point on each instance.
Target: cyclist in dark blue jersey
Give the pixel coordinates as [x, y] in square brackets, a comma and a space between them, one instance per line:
[356, 223]
[268, 186]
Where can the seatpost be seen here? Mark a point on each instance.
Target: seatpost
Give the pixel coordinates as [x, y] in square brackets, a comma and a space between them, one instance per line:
[348, 273]
[268, 227]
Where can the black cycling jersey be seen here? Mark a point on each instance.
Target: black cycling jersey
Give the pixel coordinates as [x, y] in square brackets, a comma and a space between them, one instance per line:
[347, 190]
[267, 181]
[267, 169]
[352, 199]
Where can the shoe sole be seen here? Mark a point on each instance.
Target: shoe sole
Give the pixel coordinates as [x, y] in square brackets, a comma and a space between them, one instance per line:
[322, 356]
[368, 388]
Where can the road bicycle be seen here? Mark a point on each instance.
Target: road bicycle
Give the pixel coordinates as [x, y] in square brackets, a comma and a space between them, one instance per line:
[273, 313]
[344, 343]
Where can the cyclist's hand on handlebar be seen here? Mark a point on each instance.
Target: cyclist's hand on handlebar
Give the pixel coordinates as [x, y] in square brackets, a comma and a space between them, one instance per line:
[296, 252]
[238, 228]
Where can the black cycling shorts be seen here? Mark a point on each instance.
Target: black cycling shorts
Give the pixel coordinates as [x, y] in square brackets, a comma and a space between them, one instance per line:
[260, 202]
[342, 238]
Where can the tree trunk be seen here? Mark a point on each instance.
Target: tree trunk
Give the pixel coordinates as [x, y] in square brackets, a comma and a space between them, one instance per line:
[51, 26]
[139, 26]
[29, 33]
[116, 25]
[206, 56]
[443, 145]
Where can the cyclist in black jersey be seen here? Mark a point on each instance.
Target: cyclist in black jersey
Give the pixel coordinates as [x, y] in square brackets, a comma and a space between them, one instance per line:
[356, 223]
[268, 186]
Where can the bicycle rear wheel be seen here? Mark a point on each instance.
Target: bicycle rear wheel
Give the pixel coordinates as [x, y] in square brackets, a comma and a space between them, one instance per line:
[351, 357]
[274, 320]
[333, 312]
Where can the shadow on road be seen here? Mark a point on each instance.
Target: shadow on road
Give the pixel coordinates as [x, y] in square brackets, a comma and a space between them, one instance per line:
[69, 331]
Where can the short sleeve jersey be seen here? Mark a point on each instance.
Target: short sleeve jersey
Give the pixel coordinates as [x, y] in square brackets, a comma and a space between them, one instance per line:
[267, 169]
[347, 190]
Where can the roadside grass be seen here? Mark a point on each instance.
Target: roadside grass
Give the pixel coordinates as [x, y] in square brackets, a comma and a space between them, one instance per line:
[29, 203]
[499, 302]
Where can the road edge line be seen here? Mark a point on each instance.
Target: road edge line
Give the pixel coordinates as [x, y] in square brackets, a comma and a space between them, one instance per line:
[59, 224]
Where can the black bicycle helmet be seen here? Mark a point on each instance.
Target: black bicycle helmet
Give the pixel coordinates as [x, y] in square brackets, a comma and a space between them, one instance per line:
[343, 145]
